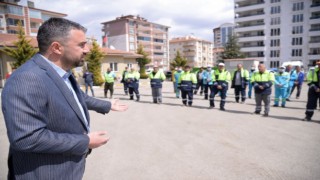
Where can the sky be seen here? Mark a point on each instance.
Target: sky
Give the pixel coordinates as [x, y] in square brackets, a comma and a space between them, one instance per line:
[185, 17]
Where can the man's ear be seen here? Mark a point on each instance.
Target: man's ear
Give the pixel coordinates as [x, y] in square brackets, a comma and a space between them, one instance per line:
[56, 48]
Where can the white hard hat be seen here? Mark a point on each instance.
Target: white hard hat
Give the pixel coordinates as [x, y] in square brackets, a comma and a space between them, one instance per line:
[221, 64]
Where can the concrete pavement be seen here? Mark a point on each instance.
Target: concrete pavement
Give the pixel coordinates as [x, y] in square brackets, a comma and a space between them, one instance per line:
[169, 141]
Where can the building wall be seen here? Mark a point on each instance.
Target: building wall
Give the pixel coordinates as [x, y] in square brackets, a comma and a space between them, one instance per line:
[139, 31]
[198, 52]
[121, 63]
[13, 13]
[278, 48]
[119, 42]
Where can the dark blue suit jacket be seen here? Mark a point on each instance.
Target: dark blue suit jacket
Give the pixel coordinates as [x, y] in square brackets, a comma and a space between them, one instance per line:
[46, 129]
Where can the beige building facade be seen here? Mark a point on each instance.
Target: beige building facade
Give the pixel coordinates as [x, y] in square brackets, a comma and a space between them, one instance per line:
[198, 52]
[128, 32]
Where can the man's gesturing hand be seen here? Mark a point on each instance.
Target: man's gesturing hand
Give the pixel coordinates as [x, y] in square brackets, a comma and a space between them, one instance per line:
[97, 139]
[116, 106]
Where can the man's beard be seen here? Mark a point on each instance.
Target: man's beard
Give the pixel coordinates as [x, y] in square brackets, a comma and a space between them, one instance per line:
[78, 63]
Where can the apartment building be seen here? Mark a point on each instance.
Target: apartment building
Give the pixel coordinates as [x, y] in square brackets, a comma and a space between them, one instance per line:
[198, 52]
[11, 12]
[128, 32]
[221, 34]
[30, 17]
[275, 31]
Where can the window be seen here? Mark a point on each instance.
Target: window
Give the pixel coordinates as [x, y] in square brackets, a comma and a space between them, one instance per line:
[114, 66]
[14, 10]
[14, 22]
[296, 52]
[131, 23]
[275, 42]
[158, 54]
[144, 38]
[275, 21]
[275, 32]
[12, 31]
[34, 14]
[131, 30]
[297, 18]
[297, 6]
[275, 53]
[275, 10]
[131, 38]
[274, 64]
[314, 51]
[129, 65]
[131, 46]
[34, 25]
[297, 29]
[314, 39]
[297, 41]
[45, 17]
[158, 40]
[275, 1]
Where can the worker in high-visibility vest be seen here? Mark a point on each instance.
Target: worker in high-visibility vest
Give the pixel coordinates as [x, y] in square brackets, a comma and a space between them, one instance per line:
[293, 78]
[206, 80]
[313, 79]
[187, 83]
[281, 84]
[109, 78]
[221, 84]
[252, 70]
[262, 82]
[176, 77]
[125, 84]
[156, 79]
[240, 81]
[132, 78]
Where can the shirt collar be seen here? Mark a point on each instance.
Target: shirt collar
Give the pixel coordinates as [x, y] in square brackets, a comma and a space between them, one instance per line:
[62, 73]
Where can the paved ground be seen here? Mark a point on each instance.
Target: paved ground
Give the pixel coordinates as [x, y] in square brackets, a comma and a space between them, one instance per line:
[169, 141]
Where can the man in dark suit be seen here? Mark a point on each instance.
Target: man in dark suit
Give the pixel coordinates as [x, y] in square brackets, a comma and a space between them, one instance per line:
[46, 113]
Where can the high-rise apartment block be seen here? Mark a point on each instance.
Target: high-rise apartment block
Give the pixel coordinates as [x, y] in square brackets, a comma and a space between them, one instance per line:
[275, 31]
[30, 17]
[198, 52]
[221, 34]
[128, 32]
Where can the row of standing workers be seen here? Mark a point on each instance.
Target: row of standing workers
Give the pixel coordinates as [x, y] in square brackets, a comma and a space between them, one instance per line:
[212, 82]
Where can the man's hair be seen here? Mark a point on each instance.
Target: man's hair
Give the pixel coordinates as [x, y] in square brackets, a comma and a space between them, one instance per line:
[55, 29]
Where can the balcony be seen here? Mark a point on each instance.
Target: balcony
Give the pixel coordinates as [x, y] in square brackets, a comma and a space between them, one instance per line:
[315, 5]
[248, 7]
[252, 48]
[250, 27]
[315, 29]
[250, 18]
[251, 38]
[315, 17]
[140, 27]
[314, 56]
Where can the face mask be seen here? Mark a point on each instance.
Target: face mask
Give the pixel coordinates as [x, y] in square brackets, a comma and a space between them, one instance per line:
[281, 70]
[209, 69]
[252, 70]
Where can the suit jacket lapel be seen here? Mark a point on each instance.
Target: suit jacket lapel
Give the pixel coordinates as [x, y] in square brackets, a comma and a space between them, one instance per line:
[63, 88]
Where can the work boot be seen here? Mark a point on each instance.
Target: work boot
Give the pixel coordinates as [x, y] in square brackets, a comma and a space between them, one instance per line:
[275, 105]
[306, 118]
[265, 115]
[256, 112]
[222, 109]
[283, 105]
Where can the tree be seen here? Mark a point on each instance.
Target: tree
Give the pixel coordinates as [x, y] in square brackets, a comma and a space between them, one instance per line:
[178, 61]
[93, 59]
[22, 51]
[142, 62]
[232, 49]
